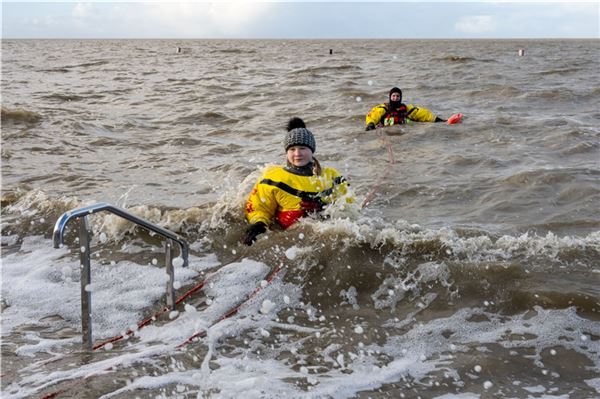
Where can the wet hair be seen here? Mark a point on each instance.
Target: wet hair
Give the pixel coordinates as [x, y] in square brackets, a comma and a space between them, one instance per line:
[316, 167]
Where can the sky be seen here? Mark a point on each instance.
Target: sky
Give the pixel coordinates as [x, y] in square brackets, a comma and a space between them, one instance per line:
[301, 19]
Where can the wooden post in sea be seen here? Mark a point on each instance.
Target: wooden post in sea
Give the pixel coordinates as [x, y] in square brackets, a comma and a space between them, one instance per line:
[521, 52]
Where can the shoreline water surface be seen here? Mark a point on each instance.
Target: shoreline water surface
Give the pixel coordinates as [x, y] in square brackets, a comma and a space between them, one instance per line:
[472, 273]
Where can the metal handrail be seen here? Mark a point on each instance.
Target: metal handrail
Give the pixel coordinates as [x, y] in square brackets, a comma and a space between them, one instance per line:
[84, 242]
[59, 227]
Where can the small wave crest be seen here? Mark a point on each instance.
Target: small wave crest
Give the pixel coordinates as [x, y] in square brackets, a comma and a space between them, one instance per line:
[544, 176]
[326, 69]
[559, 71]
[496, 91]
[19, 115]
[582, 148]
[473, 246]
[344, 231]
[68, 68]
[35, 212]
[64, 97]
[552, 94]
[457, 59]
[235, 51]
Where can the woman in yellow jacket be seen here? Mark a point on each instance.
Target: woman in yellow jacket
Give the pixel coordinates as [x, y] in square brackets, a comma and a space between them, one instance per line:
[284, 194]
[395, 112]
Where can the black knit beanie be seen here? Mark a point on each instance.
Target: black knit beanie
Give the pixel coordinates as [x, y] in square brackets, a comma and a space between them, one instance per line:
[300, 136]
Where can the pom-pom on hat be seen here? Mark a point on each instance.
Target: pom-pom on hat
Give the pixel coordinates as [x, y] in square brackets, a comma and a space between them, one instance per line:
[294, 123]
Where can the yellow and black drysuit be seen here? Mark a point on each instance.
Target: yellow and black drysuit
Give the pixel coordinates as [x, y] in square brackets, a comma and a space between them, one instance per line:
[286, 194]
[387, 116]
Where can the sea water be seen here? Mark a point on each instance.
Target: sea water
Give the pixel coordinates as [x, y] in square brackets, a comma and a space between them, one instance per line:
[467, 266]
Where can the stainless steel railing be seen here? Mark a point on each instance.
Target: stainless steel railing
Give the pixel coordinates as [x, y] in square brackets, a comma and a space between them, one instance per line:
[85, 235]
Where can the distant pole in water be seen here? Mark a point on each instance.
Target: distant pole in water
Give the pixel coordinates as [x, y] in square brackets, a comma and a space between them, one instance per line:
[178, 50]
[330, 51]
[521, 52]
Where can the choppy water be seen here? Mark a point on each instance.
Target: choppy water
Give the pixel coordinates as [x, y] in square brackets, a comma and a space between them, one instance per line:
[473, 272]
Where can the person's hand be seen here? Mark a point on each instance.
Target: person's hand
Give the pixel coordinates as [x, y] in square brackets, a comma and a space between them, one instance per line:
[253, 231]
[370, 126]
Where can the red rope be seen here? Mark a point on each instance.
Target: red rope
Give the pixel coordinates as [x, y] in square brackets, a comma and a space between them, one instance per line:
[235, 309]
[388, 169]
[141, 324]
[150, 319]
[53, 394]
[147, 321]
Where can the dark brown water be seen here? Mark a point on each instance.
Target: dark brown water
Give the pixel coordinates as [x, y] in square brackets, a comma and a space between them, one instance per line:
[472, 272]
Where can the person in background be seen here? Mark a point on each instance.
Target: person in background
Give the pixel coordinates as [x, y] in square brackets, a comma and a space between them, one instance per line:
[395, 112]
[284, 194]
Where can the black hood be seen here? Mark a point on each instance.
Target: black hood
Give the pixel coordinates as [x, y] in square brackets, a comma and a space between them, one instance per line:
[395, 104]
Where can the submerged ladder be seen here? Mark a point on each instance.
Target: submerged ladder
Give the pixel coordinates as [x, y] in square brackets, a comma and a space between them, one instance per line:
[85, 235]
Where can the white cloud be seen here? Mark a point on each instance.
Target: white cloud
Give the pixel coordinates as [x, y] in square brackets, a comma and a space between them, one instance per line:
[82, 10]
[476, 24]
[195, 19]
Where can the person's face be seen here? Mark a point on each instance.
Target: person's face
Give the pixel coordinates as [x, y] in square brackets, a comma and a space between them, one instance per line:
[395, 97]
[299, 155]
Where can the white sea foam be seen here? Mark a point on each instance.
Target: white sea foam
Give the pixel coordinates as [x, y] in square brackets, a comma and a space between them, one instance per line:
[122, 291]
[476, 249]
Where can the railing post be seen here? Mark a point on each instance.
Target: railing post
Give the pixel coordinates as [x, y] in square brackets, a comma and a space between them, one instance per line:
[85, 234]
[86, 280]
[170, 272]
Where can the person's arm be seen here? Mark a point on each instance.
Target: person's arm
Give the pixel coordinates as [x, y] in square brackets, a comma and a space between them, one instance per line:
[260, 210]
[417, 114]
[374, 116]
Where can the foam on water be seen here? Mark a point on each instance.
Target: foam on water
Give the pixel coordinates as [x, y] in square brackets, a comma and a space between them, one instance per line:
[120, 291]
[255, 376]
[479, 248]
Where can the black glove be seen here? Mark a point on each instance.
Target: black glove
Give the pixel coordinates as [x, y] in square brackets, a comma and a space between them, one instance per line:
[370, 126]
[253, 231]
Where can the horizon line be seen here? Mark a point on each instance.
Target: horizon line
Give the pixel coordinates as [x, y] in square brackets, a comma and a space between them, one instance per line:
[305, 38]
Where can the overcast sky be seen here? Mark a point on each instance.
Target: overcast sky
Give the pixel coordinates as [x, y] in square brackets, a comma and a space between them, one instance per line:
[300, 19]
